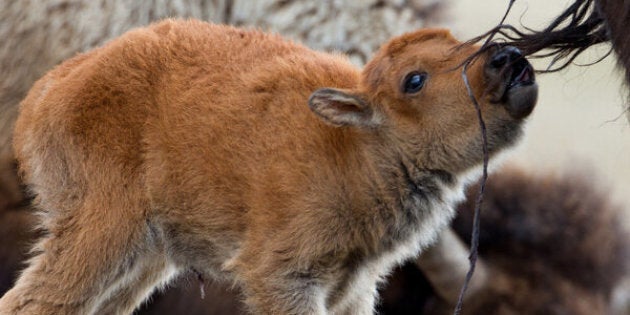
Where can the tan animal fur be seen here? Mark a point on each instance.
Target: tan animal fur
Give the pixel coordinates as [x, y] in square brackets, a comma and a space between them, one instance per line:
[291, 173]
[37, 35]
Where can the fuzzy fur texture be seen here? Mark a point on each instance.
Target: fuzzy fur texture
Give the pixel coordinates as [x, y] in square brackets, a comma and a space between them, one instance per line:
[565, 255]
[555, 240]
[589, 224]
[190, 146]
[37, 35]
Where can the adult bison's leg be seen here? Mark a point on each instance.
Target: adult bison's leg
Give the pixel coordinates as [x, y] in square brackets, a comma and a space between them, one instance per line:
[92, 258]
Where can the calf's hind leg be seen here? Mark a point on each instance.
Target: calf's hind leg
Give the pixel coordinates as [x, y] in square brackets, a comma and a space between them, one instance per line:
[98, 259]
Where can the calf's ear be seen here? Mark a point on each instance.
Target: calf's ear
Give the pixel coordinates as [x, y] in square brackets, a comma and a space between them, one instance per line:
[342, 108]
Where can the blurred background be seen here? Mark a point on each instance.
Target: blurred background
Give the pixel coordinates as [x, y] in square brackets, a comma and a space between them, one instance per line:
[578, 128]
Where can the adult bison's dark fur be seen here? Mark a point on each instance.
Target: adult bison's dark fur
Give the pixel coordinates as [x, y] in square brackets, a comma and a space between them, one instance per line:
[616, 13]
[551, 246]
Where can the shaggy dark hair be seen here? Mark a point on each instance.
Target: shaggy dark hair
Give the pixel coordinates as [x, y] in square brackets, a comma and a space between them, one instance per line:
[579, 27]
[551, 237]
[583, 24]
[569, 222]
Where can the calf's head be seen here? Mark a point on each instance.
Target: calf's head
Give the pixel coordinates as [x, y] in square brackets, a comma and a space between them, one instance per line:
[413, 96]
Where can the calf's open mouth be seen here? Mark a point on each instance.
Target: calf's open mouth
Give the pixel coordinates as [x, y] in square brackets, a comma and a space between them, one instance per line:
[522, 74]
[521, 92]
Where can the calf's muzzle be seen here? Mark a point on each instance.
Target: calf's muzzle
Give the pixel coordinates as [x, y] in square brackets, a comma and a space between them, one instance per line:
[512, 81]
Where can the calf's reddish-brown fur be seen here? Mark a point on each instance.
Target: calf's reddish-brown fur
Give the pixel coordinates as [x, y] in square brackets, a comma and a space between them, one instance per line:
[190, 146]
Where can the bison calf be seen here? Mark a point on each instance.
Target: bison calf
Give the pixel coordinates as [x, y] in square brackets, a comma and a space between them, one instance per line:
[244, 157]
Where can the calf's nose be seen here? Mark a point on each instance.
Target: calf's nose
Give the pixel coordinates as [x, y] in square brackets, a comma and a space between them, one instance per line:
[512, 81]
[505, 56]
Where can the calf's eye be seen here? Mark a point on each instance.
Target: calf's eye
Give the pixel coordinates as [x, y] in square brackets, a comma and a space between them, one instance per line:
[414, 82]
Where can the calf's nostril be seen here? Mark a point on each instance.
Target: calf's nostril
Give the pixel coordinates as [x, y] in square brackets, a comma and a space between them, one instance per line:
[499, 60]
[504, 56]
